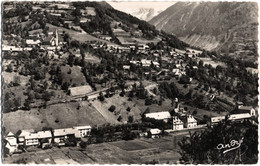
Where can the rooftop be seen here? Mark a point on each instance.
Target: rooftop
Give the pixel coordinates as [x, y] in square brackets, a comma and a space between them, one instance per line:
[159, 115]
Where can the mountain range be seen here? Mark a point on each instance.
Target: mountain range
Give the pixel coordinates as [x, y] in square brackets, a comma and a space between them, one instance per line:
[224, 26]
[145, 14]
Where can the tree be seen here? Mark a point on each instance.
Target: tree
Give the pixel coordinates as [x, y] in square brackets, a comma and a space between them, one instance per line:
[101, 96]
[112, 108]
[83, 144]
[16, 81]
[17, 102]
[119, 118]
[226, 143]
[130, 119]
[184, 79]
[194, 112]
[148, 101]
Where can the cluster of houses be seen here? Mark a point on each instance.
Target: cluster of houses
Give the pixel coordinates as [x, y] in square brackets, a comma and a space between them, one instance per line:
[178, 122]
[27, 138]
[54, 41]
[240, 113]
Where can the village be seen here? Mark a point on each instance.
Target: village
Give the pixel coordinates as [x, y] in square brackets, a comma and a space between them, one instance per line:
[117, 78]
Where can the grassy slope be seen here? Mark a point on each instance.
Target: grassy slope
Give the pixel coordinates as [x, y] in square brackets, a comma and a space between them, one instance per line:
[121, 104]
[81, 37]
[76, 75]
[67, 114]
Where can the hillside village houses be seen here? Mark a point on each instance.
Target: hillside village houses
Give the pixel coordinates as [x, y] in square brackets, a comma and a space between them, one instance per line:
[189, 121]
[251, 70]
[177, 124]
[41, 138]
[154, 133]
[240, 113]
[11, 143]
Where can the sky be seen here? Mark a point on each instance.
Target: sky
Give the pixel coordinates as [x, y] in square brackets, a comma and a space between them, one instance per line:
[128, 6]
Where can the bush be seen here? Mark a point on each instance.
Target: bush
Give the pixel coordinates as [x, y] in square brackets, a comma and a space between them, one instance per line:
[112, 108]
[83, 144]
[148, 101]
[119, 118]
[57, 120]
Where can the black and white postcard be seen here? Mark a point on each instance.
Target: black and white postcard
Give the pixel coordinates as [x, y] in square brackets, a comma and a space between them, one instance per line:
[129, 82]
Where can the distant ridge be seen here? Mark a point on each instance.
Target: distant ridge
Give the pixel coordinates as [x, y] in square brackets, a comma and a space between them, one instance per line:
[220, 26]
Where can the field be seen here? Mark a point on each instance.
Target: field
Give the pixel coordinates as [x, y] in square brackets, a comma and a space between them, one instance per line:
[121, 104]
[81, 37]
[65, 115]
[91, 58]
[133, 145]
[75, 77]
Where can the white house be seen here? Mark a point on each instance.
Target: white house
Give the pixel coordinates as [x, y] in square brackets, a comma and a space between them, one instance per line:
[190, 121]
[215, 120]
[154, 133]
[21, 137]
[156, 64]
[177, 124]
[239, 116]
[126, 67]
[246, 109]
[82, 131]
[31, 139]
[146, 63]
[61, 134]
[159, 115]
[11, 143]
[32, 42]
[44, 135]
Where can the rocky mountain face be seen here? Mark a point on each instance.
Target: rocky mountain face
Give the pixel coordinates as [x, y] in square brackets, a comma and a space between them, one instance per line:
[145, 14]
[223, 26]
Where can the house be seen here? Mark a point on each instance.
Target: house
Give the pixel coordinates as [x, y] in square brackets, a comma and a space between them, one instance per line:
[251, 70]
[53, 40]
[177, 124]
[195, 67]
[126, 67]
[143, 47]
[84, 20]
[31, 139]
[105, 37]
[11, 143]
[90, 11]
[80, 90]
[246, 109]
[21, 136]
[31, 42]
[165, 116]
[154, 133]
[60, 135]
[11, 48]
[156, 64]
[215, 120]
[49, 41]
[44, 136]
[82, 131]
[239, 116]
[68, 24]
[190, 121]
[146, 63]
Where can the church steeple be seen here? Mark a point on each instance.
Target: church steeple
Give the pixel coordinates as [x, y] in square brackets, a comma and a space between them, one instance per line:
[56, 39]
